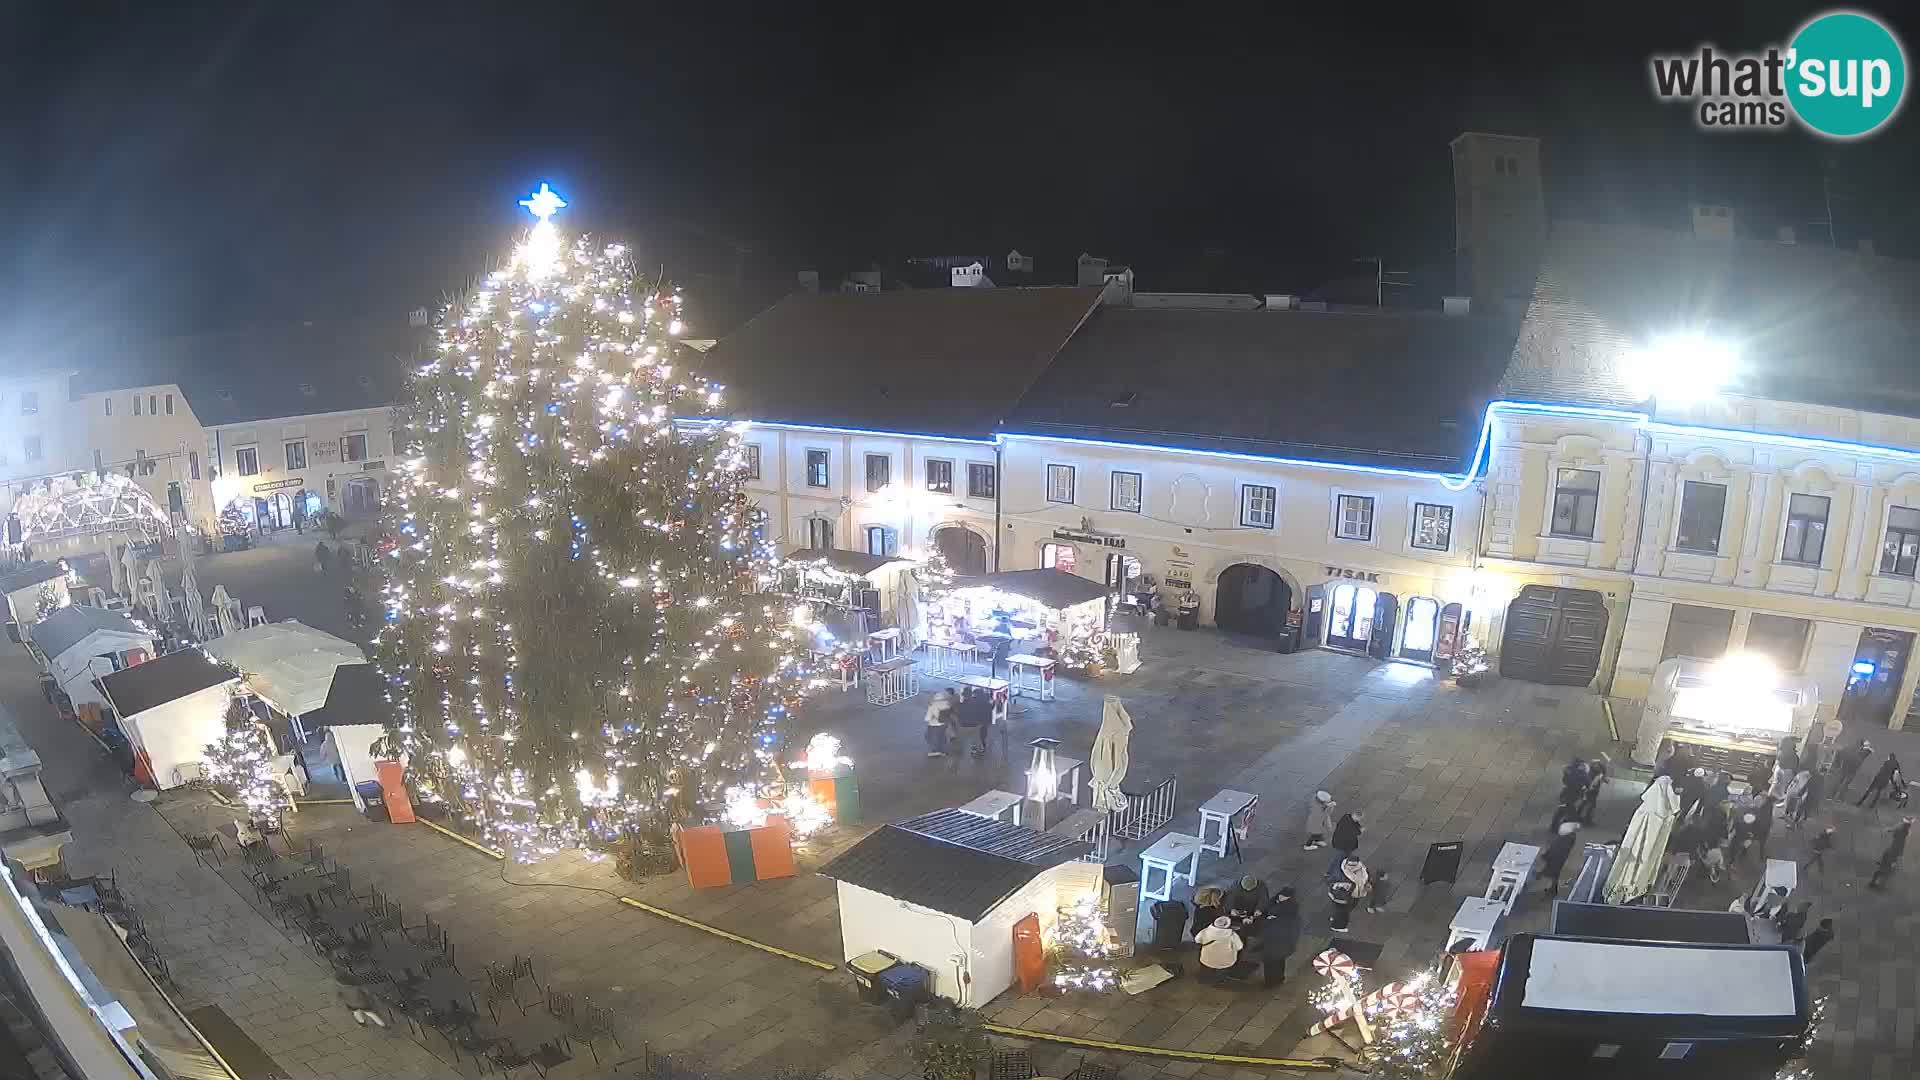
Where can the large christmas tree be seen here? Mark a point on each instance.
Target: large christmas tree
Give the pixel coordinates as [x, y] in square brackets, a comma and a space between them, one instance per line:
[578, 633]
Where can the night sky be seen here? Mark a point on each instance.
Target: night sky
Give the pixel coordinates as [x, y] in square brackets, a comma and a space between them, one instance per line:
[182, 168]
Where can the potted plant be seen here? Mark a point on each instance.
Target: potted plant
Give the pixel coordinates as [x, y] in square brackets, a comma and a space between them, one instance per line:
[949, 1044]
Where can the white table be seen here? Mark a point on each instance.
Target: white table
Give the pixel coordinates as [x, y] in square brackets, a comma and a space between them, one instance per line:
[892, 681]
[1222, 808]
[883, 645]
[1033, 673]
[995, 803]
[1475, 921]
[999, 688]
[943, 657]
[1511, 870]
[1167, 855]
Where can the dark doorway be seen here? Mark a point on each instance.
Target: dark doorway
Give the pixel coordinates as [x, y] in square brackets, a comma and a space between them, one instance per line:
[1386, 610]
[966, 552]
[1350, 616]
[1251, 600]
[1316, 616]
[1874, 696]
[1553, 636]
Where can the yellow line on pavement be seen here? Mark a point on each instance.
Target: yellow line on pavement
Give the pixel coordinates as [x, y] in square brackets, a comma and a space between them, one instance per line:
[1612, 728]
[474, 844]
[673, 916]
[1160, 1051]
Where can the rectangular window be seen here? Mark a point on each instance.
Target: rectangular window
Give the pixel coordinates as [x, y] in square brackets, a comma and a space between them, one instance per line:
[296, 455]
[1058, 557]
[982, 481]
[29, 402]
[1806, 529]
[193, 464]
[353, 447]
[246, 461]
[1060, 483]
[153, 404]
[940, 476]
[1702, 508]
[1356, 518]
[136, 404]
[820, 534]
[1902, 547]
[33, 448]
[819, 462]
[108, 402]
[1432, 526]
[750, 456]
[1780, 639]
[879, 471]
[1699, 632]
[1257, 502]
[1576, 502]
[881, 540]
[169, 404]
[1125, 493]
[399, 442]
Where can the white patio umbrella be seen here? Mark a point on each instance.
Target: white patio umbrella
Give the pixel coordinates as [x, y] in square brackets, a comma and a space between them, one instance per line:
[196, 611]
[159, 598]
[226, 611]
[127, 582]
[1110, 755]
[1644, 848]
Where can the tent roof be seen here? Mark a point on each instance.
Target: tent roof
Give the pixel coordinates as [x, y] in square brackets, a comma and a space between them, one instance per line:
[357, 695]
[952, 861]
[851, 562]
[141, 687]
[76, 623]
[1649, 990]
[1053, 587]
[288, 663]
[30, 575]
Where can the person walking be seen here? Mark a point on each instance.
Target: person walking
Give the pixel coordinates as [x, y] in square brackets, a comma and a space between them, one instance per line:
[1890, 858]
[322, 559]
[1319, 820]
[1346, 832]
[1219, 951]
[1279, 936]
[1881, 779]
[1347, 884]
[1847, 762]
[1599, 771]
[1557, 852]
[1816, 941]
[1573, 781]
[1794, 792]
[1810, 797]
[1819, 848]
[939, 715]
[1763, 828]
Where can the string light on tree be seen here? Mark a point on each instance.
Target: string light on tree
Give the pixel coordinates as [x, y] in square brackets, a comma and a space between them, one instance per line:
[581, 639]
[1082, 947]
[241, 762]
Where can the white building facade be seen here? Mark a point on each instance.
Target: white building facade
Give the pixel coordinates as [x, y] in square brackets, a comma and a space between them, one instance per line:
[339, 461]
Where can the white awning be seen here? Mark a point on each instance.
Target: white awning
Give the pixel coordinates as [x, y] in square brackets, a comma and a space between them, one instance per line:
[290, 664]
[1659, 980]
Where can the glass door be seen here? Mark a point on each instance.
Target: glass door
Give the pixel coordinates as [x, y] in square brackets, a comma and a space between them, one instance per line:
[1350, 623]
[1423, 623]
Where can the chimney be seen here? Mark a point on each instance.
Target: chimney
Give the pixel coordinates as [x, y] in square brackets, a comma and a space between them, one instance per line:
[1092, 270]
[417, 317]
[1279, 301]
[1709, 220]
[1117, 285]
[1786, 235]
[1456, 305]
[1866, 245]
[809, 280]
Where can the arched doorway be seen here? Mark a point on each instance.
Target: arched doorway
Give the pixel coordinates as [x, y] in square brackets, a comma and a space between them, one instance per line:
[1251, 599]
[965, 550]
[1422, 629]
[362, 495]
[1350, 616]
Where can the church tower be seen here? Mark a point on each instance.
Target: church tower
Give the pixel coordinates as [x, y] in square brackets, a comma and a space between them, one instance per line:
[1499, 219]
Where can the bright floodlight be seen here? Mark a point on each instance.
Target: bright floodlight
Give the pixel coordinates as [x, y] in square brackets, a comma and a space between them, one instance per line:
[1679, 368]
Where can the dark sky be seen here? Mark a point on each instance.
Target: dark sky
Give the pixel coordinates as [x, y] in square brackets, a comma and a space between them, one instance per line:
[183, 167]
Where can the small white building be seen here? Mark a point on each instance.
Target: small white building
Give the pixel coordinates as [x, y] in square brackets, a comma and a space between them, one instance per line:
[169, 710]
[82, 644]
[22, 588]
[944, 890]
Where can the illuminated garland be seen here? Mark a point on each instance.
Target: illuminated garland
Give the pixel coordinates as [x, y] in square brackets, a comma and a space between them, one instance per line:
[1411, 1037]
[580, 636]
[241, 762]
[1082, 948]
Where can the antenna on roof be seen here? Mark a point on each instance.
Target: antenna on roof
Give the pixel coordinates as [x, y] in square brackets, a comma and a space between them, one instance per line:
[1383, 278]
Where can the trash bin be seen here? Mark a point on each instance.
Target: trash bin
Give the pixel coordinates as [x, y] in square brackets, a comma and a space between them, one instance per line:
[373, 795]
[1289, 640]
[867, 969]
[903, 986]
[1169, 924]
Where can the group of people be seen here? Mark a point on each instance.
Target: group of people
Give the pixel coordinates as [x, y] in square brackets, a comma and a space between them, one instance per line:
[949, 714]
[1229, 924]
[1349, 881]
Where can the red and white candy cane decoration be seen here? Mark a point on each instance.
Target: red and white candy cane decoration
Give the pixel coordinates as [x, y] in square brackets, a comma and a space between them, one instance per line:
[1334, 962]
[1394, 996]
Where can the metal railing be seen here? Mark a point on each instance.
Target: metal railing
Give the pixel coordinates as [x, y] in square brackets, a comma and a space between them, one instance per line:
[1145, 812]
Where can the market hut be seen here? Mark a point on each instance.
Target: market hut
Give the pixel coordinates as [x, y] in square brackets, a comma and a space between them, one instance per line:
[1730, 713]
[289, 665]
[22, 588]
[81, 644]
[169, 710]
[352, 720]
[853, 579]
[944, 890]
[1041, 609]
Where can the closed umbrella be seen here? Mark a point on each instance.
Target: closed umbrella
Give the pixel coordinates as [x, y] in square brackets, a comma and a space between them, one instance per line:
[906, 612]
[226, 611]
[127, 583]
[1644, 848]
[1110, 756]
[190, 595]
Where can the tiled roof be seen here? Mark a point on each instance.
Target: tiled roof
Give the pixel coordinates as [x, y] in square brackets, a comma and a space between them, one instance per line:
[920, 361]
[1355, 387]
[951, 861]
[136, 689]
[1810, 323]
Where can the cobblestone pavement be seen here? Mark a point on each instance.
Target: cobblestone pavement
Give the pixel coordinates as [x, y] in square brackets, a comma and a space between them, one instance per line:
[1427, 761]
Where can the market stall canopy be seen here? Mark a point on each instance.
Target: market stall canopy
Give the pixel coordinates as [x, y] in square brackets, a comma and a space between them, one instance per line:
[290, 664]
[1050, 587]
[952, 861]
[26, 577]
[156, 682]
[857, 563]
[358, 695]
[96, 630]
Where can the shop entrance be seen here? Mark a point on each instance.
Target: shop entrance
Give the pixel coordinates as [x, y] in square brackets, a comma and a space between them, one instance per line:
[1879, 666]
[1423, 629]
[362, 495]
[1452, 634]
[1251, 600]
[1554, 635]
[965, 551]
[1350, 620]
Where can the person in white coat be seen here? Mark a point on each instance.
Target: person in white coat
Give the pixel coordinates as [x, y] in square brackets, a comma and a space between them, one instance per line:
[1219, 950]
[939, 721]
[1320, 818]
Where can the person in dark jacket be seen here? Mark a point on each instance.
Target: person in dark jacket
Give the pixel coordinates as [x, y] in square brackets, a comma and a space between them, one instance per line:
[1573, 781]
[1810, 797]
[1792, 921]
[1847, 762]
[1557, 853]
[1881, 779]
[1346, 832]
[1692, 789]
[1206, 908]
[1597, 773]
[1279, 936]
[1245, 902]
[1816, 941]
[1820, 846]
[1890, 858]
[1763, 827]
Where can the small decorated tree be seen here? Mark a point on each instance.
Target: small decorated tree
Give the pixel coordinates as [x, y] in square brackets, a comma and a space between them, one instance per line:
[240, 763]
[1414, 1038]
[49, 601]
[1082, 948]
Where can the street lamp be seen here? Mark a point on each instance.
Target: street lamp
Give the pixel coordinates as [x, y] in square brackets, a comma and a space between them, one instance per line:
[1679, 368]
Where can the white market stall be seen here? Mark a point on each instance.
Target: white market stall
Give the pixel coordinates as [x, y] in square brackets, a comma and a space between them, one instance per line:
[353, 719]
[1045, 612]
[881, 583]
[944, 890]
[289, 665]
[1728, 712]
[82, 644]
[169, 710]
[22, 589]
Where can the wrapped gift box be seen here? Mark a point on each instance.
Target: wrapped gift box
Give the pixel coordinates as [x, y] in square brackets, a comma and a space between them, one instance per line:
[715, 855]
[839, 792]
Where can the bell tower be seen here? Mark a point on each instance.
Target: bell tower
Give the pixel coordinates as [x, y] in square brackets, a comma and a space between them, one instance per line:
[1499, 219]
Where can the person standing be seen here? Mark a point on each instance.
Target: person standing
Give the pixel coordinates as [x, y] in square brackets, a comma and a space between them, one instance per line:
[1557, 852]
[1821, 845]
[1245, 901]
[1599, 770]
[322, 559]
[1279, 936]
[1347, 885]
[1319, 820]
[1815, 791]
[1816, 941]
[1763, 828]
[1848, 762]
[1219, 950]
[1206, 908]
[1881, 779]
[939, 715]
[1890, 858]
[1794, 792]
[1346, 832]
